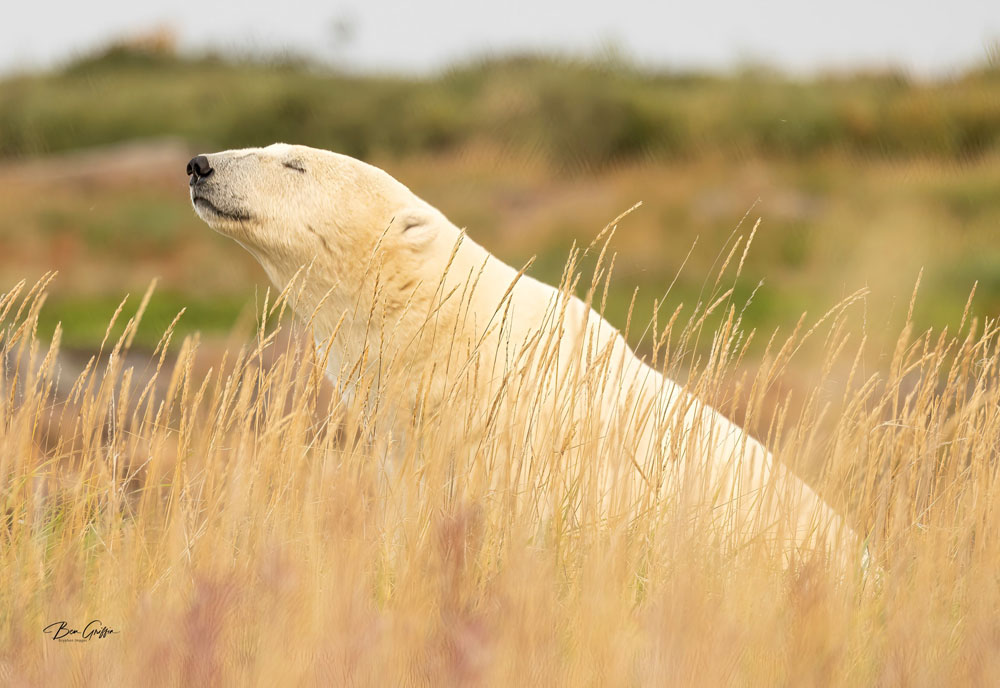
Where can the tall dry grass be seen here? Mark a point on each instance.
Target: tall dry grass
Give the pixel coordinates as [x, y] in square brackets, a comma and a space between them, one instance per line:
[235, 524]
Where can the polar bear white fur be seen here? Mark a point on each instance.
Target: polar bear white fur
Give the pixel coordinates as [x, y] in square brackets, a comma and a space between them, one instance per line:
[452, 330]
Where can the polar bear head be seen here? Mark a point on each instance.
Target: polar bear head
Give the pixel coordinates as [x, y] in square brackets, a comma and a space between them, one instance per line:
[295, 206]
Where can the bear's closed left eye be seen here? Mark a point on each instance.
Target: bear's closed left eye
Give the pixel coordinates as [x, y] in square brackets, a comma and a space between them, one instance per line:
[294, 165]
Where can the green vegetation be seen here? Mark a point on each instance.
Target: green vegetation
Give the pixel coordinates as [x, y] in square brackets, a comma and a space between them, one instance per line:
[579, 115]
[84, 319]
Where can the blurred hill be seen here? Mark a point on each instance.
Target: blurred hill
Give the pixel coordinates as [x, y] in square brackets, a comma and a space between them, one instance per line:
[577, 115]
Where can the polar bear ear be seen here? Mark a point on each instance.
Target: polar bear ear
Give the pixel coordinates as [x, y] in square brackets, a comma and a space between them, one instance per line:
[415, 226]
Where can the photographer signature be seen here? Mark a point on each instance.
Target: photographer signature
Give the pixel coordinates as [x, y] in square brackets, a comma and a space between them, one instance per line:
[62, 632]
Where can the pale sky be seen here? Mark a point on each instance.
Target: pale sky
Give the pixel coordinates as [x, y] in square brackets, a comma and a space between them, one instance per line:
[920, 36]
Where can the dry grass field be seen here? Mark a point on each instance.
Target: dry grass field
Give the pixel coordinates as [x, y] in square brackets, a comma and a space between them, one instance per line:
[181, 486]
[225, 519]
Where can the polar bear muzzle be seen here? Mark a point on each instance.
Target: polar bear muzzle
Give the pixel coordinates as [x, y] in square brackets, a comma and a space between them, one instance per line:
[210, 203]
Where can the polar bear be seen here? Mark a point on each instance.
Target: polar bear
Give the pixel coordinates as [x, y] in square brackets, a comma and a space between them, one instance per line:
[454, 333]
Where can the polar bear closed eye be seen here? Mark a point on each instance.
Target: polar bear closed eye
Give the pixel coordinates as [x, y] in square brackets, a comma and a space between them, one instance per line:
[506, 356]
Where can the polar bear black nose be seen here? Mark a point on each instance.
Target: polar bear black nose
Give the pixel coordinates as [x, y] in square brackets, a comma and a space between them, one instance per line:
[198, 168]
